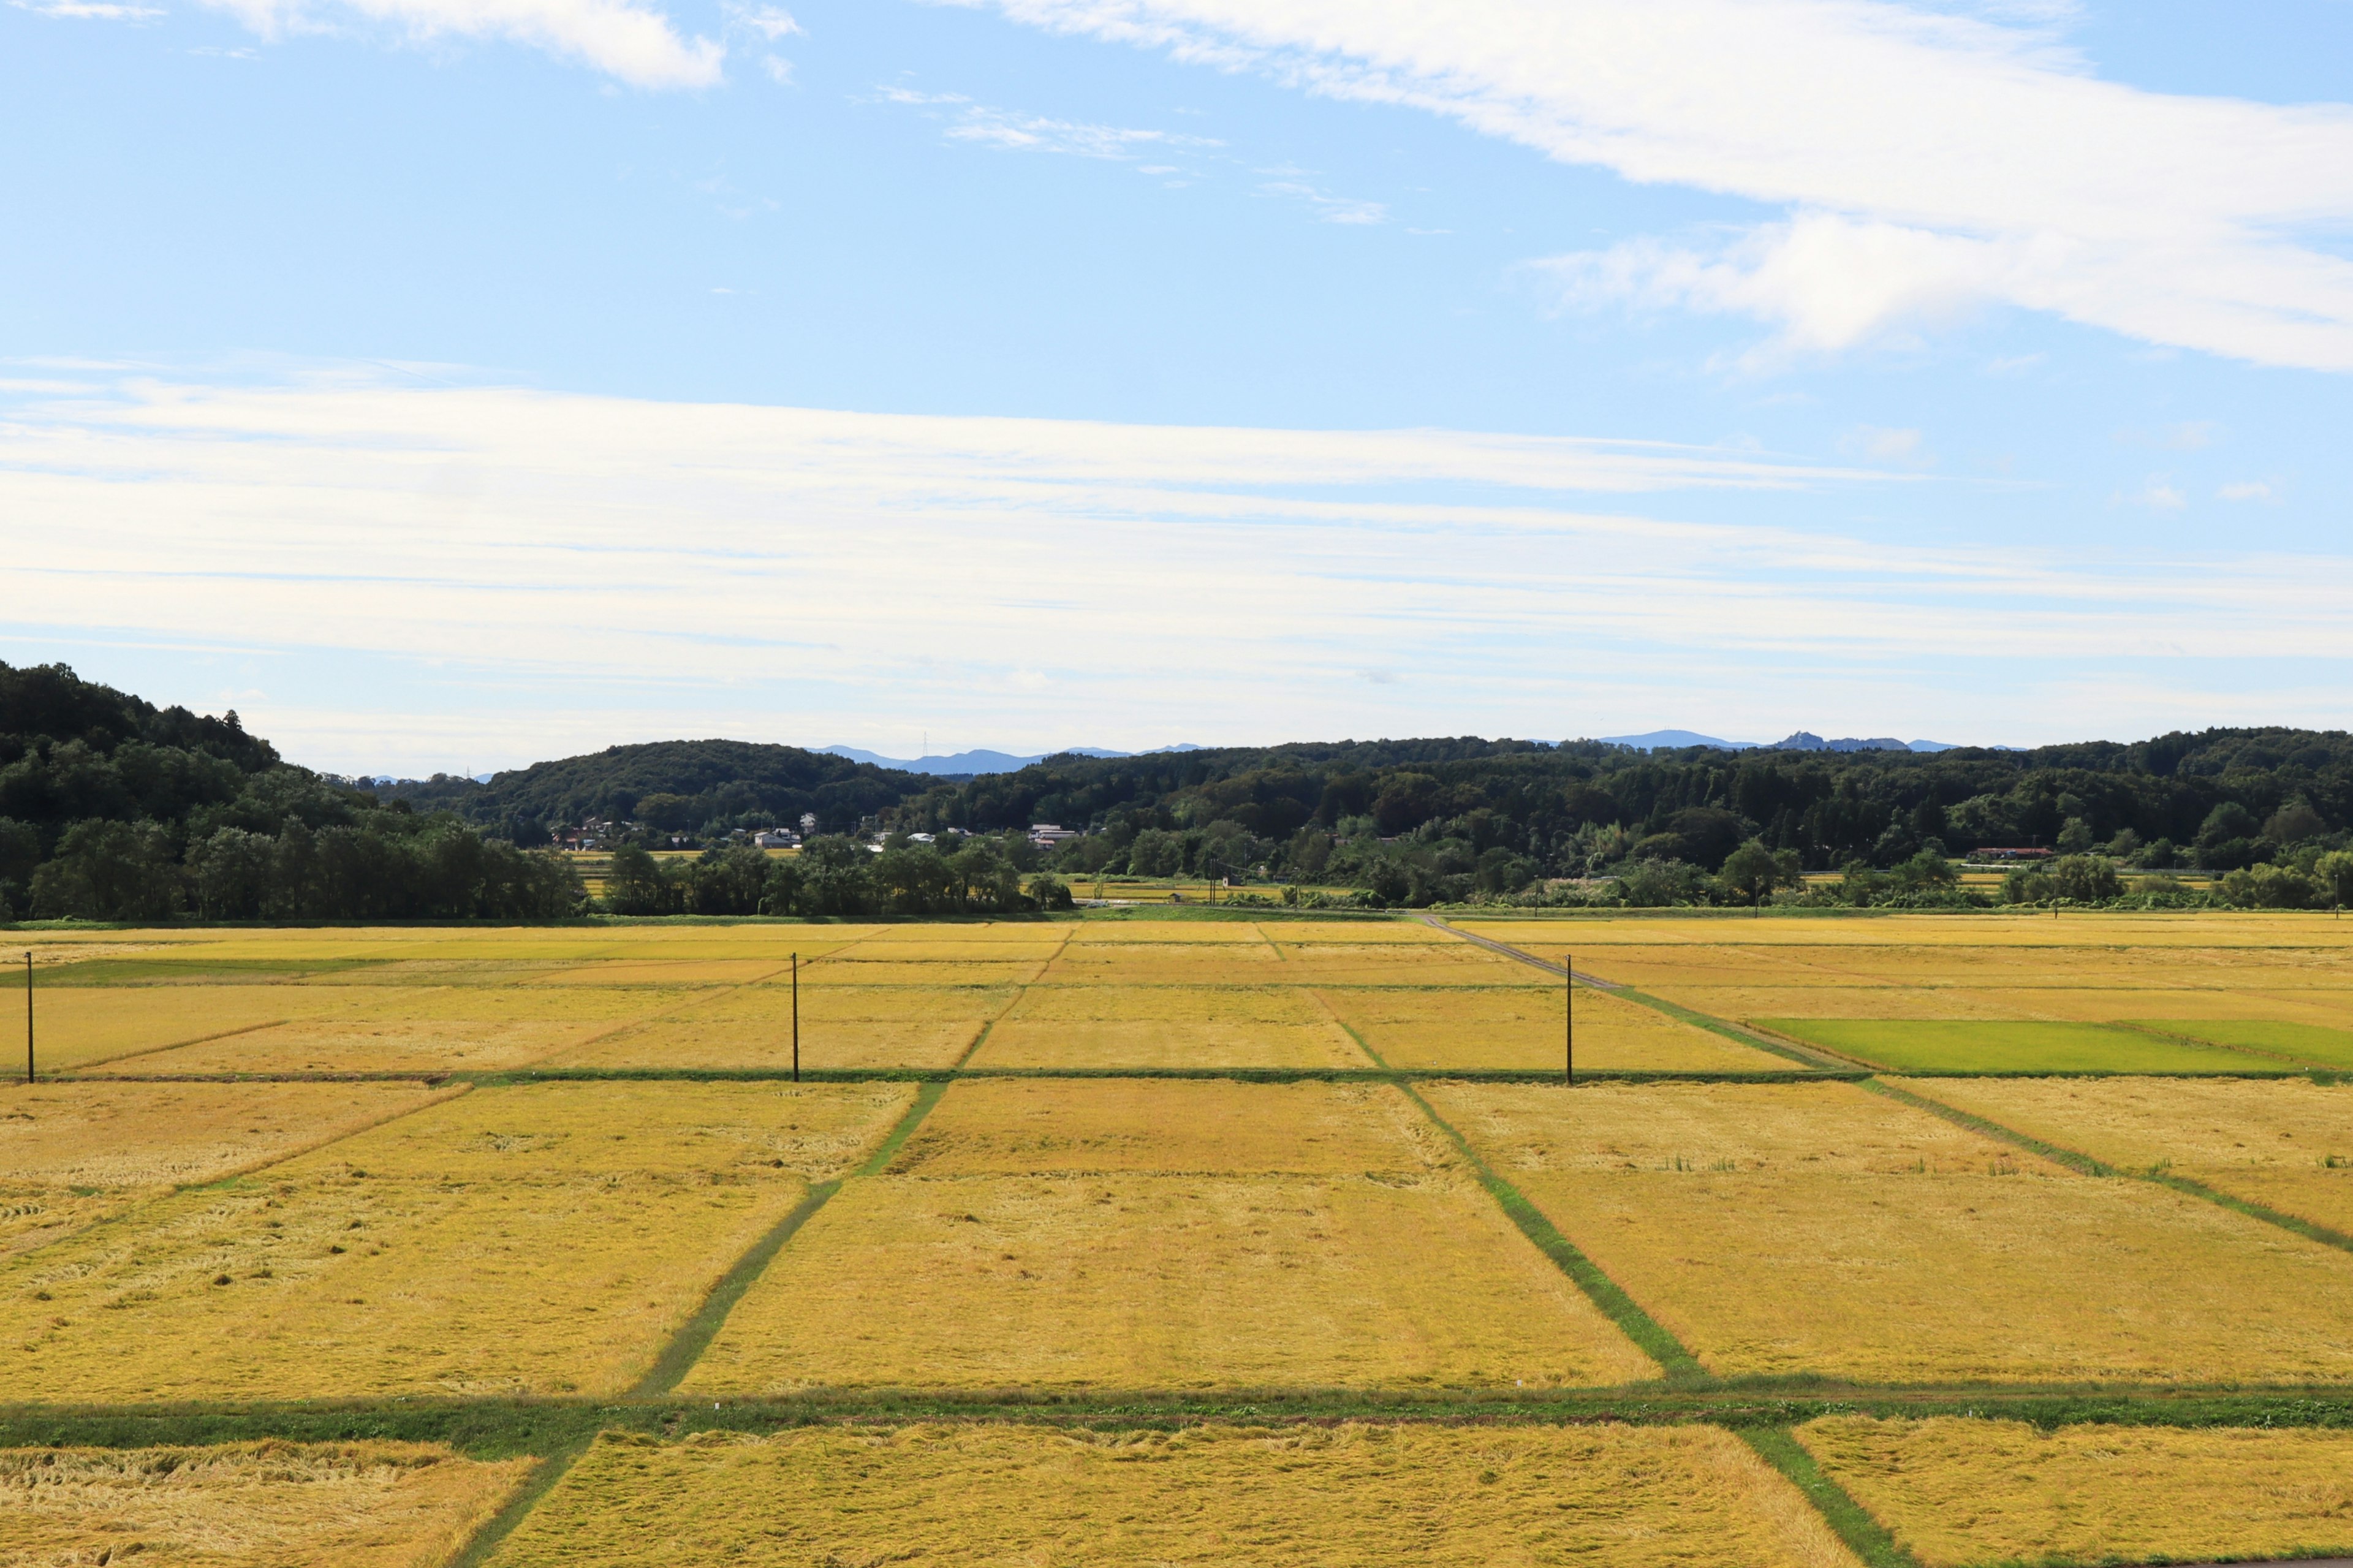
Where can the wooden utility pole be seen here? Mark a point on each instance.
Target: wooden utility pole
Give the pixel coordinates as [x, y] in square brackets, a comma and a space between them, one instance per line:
[28, 1016]
[796, 1017]
[1568, 1018]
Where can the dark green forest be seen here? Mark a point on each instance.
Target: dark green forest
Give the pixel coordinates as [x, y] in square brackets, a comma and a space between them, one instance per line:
[112, 808]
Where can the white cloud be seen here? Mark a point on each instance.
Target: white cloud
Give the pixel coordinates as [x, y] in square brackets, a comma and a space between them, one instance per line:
[88, 10]
[1926, 158]
[2248, 490]
[417, 567]
[2160, 494]
[1327, 208]
[770, 22]
[1012, 131]
[626, 41]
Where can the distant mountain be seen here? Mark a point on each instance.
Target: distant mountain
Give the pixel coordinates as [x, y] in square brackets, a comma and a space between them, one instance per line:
[1803, 740]
[1671, 739]
[968, 764]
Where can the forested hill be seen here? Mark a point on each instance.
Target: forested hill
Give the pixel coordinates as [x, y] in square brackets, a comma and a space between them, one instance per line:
[1443, 817]
[672, 786]
[112, 808]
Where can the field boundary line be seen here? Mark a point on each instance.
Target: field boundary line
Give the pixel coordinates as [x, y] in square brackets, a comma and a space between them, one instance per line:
[988, 1026]
[1736, 1033]
[1508, 950]
[1848, 1520]
[1380, 1063]
[551, 1469]
[2080, 1164]
[180, 1045]
[2190, 1186]
[2302, 1064]
[695, 1335]
[1651, 1336]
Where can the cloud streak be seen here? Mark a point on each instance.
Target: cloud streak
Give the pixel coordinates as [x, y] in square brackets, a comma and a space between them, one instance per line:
[631, 43]
[544, 569]
[1924, 159]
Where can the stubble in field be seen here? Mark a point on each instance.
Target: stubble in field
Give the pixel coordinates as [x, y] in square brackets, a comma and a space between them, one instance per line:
[2284, 1142]
[1356, 1496]
[1155, 1281]
[1521, 1026]
[1960, 1493]
[546, 1239]
[1820, 1228]
[74, 1153]
[248, 1505]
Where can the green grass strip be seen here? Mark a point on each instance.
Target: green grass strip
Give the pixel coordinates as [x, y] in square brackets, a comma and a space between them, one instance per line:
[686, 1347]
[537, 1485]
[1865, 1536]
[1678, 1362]
[2082, 1163]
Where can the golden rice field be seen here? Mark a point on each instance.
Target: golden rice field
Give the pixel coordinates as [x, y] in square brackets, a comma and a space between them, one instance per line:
[533, 1240]
[72, 1154]
[1962, 1493]
[1142, 1281]
[1065, 1303]
[248, 1505]
[1354, 1496]
[1821, 1228]
[2286, 1143]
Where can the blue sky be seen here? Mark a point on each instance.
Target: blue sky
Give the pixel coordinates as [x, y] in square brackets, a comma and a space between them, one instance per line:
[452, 382]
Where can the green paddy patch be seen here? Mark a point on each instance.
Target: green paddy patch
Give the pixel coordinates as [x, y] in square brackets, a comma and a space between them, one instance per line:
[2310, 1044]
[1966, 1045]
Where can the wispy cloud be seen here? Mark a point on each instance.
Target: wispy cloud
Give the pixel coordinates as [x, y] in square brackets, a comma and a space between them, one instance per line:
[630, 42]
[2247, 489]
[1011, 130]
[1926, 157]
[1326, 207]
[88, 10]
[604, 569]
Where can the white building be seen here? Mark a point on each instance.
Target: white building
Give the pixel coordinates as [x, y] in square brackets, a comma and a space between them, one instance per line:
[1046, 835]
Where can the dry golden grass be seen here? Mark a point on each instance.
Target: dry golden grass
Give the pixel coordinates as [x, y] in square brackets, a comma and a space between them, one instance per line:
[751, 1027]
[1520, 1026]
[1190, 933]
[1176, 1043]
[1061, 1127]
[72, 1154]
[2284, 1142]
[543, 1239]
[1529, 1130]
[1454, 962]
[1156, 1282]
[249, 1505]
[1354, 1496]
[1962, 1493]
[76, 1026]
[861, 971]
[1138, 964]
[1819, 1228]
[1236, 1004]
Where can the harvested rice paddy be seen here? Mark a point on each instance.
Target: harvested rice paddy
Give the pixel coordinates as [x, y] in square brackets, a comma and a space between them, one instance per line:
[544, 1239]
[1962, 1493]
[249, 1505]
[1071, 1301]
[1353, 1496]
[2286, 1143]
[1522, 1026]
[1780, 1230]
